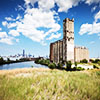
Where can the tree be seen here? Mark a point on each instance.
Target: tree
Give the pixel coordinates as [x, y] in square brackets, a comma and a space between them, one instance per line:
[84, 61]
[68, 65]
[2, 61]
[8, 59]
[59, 66]
[75, 64]
[52, 65]
[96, 60]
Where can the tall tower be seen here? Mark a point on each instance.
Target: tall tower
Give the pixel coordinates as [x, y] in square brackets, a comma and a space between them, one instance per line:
[68, 40]
[23, 53]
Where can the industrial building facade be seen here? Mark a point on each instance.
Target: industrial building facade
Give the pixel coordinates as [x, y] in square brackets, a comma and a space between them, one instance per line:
[63, 50]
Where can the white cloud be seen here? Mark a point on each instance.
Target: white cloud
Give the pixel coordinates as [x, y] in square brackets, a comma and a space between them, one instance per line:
[92, 1]
[12, 25]
[36, 18]
[85, 28]
[4, 38]
[94, 8]
[20, 7]
[41, 22]
[9, 19]
[14, 33]
[92, 42]
[18, 17]
[91, 28]
[65, 5]
[27, 2]
[37, 23]
[4, 23]
[7, 40]
[0, 29]
[9, 25]
[54, 36]
[3, 34]
[46, 5]
[97, 16]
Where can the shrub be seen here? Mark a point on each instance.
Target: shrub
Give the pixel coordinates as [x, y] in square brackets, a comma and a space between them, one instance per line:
[47, 62]
[75, 64]
[84, 61]
[52, 65]
[68, 65]
[8, 59]
[59, 66]
[91, 60]
[98, 62]
[37, 61]
[2, 61]
[79, 68]
[94, 66]
[32, 66]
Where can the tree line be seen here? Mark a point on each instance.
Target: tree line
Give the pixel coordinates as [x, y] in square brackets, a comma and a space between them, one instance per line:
[8, 61]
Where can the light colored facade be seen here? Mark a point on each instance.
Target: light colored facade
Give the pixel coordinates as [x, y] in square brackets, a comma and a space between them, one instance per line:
[56, 51]
[63, 50]
[81, 53]
[68, 40]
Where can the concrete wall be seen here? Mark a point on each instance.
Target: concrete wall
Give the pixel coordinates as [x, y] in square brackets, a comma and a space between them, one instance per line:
[56, 51]
[81, 53]
[68, 39]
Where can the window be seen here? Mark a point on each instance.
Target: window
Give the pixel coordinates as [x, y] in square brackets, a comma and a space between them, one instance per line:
[68, 39]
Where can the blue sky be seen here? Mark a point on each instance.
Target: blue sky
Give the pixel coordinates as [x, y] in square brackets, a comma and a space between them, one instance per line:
[33, 24]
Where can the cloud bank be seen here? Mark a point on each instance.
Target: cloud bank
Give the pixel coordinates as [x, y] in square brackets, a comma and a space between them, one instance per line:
[93, 28]
[40, 24]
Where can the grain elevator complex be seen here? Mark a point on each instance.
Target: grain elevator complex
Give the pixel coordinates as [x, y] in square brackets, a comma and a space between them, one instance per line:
[64, 50]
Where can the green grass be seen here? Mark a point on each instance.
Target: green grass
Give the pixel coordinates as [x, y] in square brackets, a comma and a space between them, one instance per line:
[51, 85]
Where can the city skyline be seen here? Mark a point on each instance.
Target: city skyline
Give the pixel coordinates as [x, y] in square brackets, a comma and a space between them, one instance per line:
[33, 24]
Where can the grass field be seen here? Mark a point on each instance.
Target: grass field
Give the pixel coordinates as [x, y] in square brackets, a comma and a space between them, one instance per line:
[46, 84]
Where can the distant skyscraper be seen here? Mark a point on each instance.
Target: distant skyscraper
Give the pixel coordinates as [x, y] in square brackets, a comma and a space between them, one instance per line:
[23, 53]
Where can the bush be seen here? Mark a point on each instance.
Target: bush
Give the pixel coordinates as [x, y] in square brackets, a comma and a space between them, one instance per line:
[32, 66]
[75, 64]
[84, 61]
[42, 62]
[78, 69]
[2, 61]
[68, 65]
[59, 66]
[98, 62]
[91, 60]
[94, 66]
[47, 62]
[8, 59]
[37, 61]
[52, 65]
